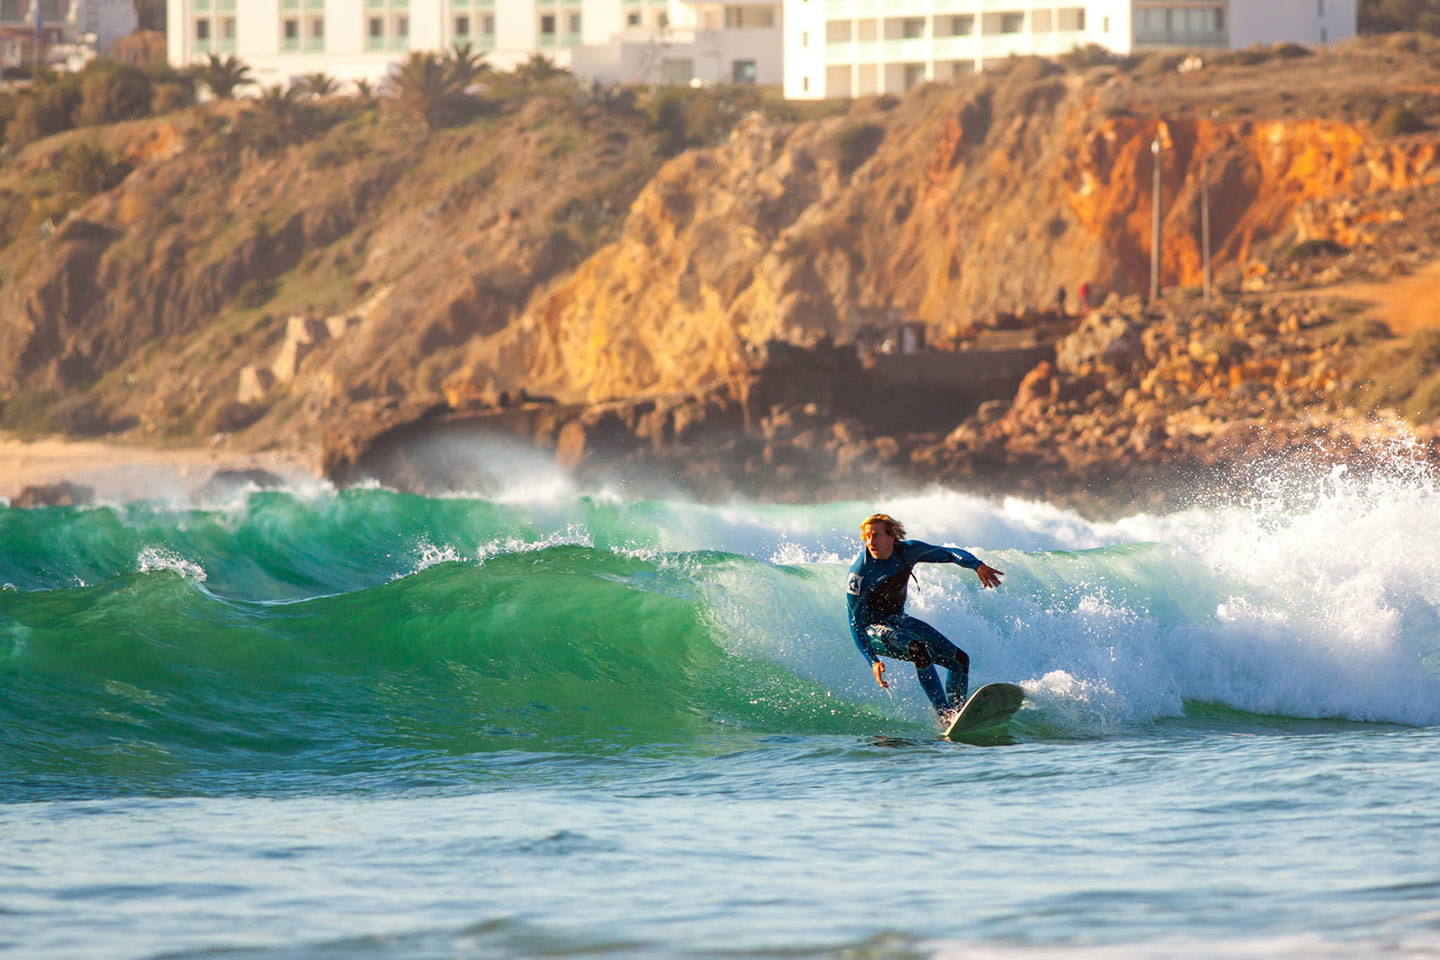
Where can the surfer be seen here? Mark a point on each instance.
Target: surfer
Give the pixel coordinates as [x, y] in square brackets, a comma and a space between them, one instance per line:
[876, 591]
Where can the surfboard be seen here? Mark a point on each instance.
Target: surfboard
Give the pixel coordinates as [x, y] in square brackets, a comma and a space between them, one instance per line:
[987, 707]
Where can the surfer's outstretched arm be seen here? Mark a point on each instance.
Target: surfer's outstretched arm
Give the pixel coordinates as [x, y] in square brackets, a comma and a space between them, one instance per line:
[920, 552]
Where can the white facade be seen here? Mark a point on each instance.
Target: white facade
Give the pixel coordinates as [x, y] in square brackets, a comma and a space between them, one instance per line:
[847, 48]
[625, 40]
[688, 41]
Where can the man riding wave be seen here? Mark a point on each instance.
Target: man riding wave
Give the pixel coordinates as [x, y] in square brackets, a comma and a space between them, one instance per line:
[876, 592]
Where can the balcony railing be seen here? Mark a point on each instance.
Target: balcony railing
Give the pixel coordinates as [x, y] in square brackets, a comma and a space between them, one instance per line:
[921, 49]
[1181, 38]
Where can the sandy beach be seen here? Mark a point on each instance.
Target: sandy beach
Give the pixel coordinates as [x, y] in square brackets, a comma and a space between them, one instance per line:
[116, 472]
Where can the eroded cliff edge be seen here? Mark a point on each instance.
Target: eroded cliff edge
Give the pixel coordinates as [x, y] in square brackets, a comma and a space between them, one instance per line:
[546, 271]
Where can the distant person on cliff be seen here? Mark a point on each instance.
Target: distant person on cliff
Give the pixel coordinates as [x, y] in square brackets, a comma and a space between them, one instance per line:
[1060, 300]
[876, 590]
[1084, 295]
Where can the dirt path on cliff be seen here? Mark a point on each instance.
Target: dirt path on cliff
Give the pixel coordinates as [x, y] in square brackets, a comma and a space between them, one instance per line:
[1402, 304]
[119, 473]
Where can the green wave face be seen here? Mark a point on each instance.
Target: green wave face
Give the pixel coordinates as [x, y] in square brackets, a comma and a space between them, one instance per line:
[152, 677]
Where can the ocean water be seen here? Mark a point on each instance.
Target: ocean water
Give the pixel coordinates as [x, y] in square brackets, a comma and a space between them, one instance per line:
[548, 722]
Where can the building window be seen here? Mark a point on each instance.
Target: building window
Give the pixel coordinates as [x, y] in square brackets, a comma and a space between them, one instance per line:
[1105, 25]
[1012, 22]
[632, 20]
[1081, 24]
[377, 28]
[489, 30]
[227, 28]
[547, 24]
[402, 27]
[912, 29]
[292, 29]
[462, 26]
[744, 71]
[202, 30]
[804, 84]
[962, 26]
[663, 21]
[574, 23]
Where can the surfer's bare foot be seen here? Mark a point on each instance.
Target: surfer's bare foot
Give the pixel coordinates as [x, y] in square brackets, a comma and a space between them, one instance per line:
[947, 717]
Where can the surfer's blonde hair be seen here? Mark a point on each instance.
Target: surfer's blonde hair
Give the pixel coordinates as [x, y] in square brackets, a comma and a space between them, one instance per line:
[893, 527]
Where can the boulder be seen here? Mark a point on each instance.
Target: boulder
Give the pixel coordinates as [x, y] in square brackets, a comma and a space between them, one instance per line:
[62, 494]
[1101, 340]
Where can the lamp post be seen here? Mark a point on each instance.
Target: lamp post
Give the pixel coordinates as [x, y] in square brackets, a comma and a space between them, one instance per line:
[1205, 223]
[1155, 225]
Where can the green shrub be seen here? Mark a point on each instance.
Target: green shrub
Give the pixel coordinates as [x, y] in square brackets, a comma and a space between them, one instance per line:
[854, 144]
[256, 292]
[88, 169]
[1314, 248]
[682, 117]
[172, 95]
[1424, 404]
[48, 108]
[1253, 55]
[1090, 55]
[1353, 332]
[1291, 51]
[1399, 121]
[112, 91]
[1404, 375]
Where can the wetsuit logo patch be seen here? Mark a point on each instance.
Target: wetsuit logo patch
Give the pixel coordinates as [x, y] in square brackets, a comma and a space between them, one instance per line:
[852, 586]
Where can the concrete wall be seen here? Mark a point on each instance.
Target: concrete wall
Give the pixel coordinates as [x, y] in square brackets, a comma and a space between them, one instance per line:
[1311, 22]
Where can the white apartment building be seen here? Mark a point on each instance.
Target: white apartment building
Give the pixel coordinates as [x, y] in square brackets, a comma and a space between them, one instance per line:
[630, 41]
[846, 48]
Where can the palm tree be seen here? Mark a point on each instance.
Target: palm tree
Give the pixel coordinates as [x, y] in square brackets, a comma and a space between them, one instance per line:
[364, 89]
[277, 115]
[222, 76]
[539, 68]
[426, 87]
[467, 65]
[319, 84]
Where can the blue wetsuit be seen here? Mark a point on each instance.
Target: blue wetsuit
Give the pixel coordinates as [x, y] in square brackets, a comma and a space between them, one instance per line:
[876, 593]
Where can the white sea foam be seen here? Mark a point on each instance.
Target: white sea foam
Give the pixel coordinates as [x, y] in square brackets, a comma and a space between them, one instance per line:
[152, 559]
[1320, 598]
[572, 536]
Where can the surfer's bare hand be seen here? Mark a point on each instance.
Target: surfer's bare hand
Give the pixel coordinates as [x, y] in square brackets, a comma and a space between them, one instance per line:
[989, 576]
[878, 668]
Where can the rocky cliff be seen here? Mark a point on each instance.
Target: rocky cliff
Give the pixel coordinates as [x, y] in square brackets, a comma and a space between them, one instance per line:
[348, 285]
